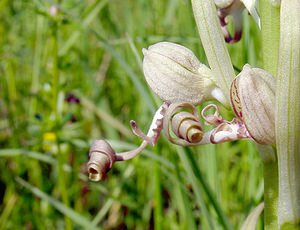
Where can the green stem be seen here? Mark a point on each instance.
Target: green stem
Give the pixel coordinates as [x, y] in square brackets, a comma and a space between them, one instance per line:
[269, 158]
[270, 35]
[158, 212]
[62, 185]
[270, 195]
[288, 116]
[270, 44]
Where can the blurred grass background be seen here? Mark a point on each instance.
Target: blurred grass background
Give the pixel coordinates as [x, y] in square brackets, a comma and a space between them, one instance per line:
[71, 72]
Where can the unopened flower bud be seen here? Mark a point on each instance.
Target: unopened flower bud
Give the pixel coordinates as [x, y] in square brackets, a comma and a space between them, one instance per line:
[175, 74]
[253, 100]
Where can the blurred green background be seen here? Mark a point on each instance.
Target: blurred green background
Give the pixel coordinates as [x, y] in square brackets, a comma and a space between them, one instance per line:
[71, 72]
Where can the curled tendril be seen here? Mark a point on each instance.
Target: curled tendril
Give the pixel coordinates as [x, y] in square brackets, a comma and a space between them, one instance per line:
[181, 124]
[225, 130]
[186, 126]
[102, 155]
[214, 119]
[155, 128]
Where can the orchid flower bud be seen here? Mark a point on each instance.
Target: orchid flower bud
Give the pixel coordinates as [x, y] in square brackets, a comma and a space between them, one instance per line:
[175, 74]
[253, 99]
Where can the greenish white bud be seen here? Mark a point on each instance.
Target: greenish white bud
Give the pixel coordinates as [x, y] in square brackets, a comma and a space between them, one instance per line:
[175, 74]
[253, 99]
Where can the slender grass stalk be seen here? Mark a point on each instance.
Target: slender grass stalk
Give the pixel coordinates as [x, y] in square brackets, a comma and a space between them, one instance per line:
[38, 49]
[93, 11]
[158, 209]
[76, 217]
[36, 64]
[62, 185]
[7, 210]
[141, 88]
[55, 71]
[12, 94]
[196, 184]
[184, 205]
[60, 157]
[288, 116]
[194, 172]
[101, 114]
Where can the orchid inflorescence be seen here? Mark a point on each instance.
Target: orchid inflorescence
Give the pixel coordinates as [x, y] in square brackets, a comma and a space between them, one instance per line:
[175, 74]
[182, 82]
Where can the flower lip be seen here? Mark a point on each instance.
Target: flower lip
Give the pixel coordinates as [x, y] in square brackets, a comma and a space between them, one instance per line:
[102, 158]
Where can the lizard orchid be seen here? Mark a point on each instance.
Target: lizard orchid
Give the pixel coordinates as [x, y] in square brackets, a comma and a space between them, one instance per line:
[175, 74]
[266, 108]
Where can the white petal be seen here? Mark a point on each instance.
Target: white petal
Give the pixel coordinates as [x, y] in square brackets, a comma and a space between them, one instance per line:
[250, 5]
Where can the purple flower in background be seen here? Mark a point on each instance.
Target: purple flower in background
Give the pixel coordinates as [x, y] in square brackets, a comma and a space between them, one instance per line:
[72, 99]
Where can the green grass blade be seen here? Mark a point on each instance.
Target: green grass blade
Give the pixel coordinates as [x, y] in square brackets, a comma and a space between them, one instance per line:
[95, 9]
[192, 168]
[74, 216]
[141, 88]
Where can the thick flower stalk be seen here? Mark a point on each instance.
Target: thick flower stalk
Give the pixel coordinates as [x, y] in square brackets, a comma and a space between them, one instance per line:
[288, 116]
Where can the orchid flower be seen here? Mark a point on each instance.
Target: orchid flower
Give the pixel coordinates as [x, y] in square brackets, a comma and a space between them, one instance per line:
[235, 9]
[175, 74]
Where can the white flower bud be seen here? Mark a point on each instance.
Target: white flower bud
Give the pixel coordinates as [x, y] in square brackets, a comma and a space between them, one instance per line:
[175, 74]
[253, 100]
